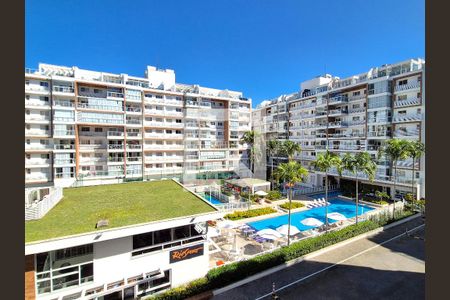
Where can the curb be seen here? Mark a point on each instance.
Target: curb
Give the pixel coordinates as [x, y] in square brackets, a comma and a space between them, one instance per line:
[311, 255]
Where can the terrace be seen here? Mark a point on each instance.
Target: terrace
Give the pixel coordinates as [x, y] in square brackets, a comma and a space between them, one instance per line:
[121, 204]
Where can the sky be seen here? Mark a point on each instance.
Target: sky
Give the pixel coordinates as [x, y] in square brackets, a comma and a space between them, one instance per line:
[263, 48]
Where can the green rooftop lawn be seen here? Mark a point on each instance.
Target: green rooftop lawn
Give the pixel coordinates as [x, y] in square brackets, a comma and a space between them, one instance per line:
[121, 204]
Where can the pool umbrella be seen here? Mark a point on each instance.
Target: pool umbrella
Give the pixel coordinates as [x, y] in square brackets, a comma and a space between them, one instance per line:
[261, 193]
[227, 224]
[336, 216]
[311, 222]
[269, 234]
[283, 229]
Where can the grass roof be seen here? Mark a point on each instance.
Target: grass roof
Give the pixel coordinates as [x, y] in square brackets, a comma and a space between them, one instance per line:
[121, 204]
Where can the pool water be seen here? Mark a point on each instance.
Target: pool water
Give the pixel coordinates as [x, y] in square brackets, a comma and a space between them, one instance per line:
[337, 205]
[212, 199]
[322, 195]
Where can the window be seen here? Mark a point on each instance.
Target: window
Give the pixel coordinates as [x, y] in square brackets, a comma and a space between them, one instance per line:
[83, 89]
[85, 129]
[98, 129]
[401, 97]
[357, 93]
[28, 171]
[43, 83]
[403, 82]
[96, 91]
[27, 82]
[27, 112]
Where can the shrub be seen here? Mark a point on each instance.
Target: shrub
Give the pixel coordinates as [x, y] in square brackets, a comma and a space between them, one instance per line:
[273, 195]
[294, 205]
[227, 274]
[237, 215]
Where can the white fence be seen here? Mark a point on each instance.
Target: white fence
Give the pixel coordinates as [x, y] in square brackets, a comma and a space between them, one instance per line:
[38, 209]
[233, 206]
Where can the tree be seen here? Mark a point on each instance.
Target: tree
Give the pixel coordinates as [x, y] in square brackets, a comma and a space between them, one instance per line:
[290, 173]
[381, 195]
[361, 162]
[273, 147]
[323, 163]
[289, 148]
[394, 150]
[249, 139]
[415, 150]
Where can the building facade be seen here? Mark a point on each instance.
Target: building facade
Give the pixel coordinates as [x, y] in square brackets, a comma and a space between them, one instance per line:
[88, 127]
[354, 114]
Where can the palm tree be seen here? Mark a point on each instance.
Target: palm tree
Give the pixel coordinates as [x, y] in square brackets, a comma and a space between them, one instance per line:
[290, 173]
[394, 150]
[361, 162]
[415, 151]
[323, 163]
[289, 148]
[249, 139]
[273, 147]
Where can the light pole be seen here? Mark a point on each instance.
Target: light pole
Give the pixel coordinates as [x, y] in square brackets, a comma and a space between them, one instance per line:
[289, 185]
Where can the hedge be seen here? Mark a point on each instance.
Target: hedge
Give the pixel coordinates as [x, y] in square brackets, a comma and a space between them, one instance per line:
[237, 215]
[294, 205]
[230, 273]
[273, 195]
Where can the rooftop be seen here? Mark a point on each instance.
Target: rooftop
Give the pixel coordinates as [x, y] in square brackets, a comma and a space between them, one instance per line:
[121, 204]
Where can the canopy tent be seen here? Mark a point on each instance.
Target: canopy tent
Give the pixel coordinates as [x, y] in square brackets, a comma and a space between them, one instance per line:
[250, 184]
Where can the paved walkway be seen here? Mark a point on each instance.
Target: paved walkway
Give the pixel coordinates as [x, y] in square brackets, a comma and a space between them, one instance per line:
[377, 267]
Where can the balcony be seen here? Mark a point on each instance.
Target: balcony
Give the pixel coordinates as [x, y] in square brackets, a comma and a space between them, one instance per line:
[63, 104]
[378, 134]
[164, 124]
[38, 104]
[356, 98]
[37, 177]
[407, 118]
[410, 86]
[407, 102]
[36, 88]
[337, 112]
[100, 107]
[92, 146]
[337, 100]
[133, 110]
[114, 95]
[355, 123]
[92, 133]
[63, 161]
[157, 159]
[356, 110]
[37, 162]
[134, 135]
[37, 147]
[336, 124]
[64, 147]
[379, 120]
[37, 118]
[32, 132]
[63, 89]
[115, 134]
[134, 147]
[113, 160]
[115, 147]
[134, 159]
[407, 133]
[163, 147]
[100, 120]
[133, 122]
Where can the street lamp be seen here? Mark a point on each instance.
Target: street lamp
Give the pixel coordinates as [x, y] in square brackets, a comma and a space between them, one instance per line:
[289, 185]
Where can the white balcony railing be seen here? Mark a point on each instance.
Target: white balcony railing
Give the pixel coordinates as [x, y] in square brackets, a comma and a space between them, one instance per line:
[409, 86]
[63, 89]
[407, 118]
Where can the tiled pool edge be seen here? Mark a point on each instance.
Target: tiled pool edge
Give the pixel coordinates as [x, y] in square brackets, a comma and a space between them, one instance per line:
[312, 254]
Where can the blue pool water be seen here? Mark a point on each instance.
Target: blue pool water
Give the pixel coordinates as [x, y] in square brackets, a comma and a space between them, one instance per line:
[337, 205]
[212, 200]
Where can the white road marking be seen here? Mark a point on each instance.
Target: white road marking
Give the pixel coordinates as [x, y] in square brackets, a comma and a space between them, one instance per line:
[340, 262]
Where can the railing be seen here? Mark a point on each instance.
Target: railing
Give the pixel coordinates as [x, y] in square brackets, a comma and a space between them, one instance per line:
[134, 159]
[63, 161]
[230, 206]
[356, 110]
[100, 107]
[409, 133]
[355, 123]
[301, 190]
[114, 133]
[36, 88]
[408, 118]
[337, 112]
[115, 146]
[100, 120]
[338, 99]
[134, 146]
[134, 134]
[134, 109]
[115, 159]
[114, 95]
[409, 86]
[63, 89]
[378, 120]
[407, 102]
[37, 132]
[356, 98]
[64, 147]
[37, 161]
[88, 174]
[38, 209]
[36, 103]
[165, 124]
[93, 146]
[36, 118]
[63, 103]
[134, 122]
[92, 133]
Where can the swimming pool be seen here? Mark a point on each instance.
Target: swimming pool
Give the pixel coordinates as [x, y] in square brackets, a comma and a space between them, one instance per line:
[322, 195]
[212, 199]
[346, 208]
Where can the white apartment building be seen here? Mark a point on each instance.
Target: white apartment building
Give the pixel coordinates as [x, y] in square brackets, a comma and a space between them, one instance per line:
[353, 114]
[126, 259]
[94, 127]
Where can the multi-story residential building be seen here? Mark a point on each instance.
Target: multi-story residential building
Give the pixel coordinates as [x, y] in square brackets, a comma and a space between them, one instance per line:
[358, 113]
[87, 126]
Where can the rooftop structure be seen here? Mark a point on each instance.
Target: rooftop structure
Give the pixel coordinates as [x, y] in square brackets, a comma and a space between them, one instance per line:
[121, 204]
